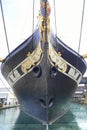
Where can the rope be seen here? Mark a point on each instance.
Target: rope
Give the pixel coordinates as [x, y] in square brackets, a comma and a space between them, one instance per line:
[33, 25]
[4, 27]
[83, 8]
[55, 20]
[6, 87]
[5, 32]
[80, 37]
[55, 17]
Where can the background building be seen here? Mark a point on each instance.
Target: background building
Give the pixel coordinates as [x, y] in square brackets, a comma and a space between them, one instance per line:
[7, 96]
[81, 92]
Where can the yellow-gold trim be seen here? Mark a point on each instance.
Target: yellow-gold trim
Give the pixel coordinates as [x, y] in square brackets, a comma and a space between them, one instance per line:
[62, 65]
[1, 60]
[84, 56]
[57, 59]
[44, 28]
[32, 59]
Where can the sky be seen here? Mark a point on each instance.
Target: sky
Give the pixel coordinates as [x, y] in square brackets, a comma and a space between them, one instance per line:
[18, 16]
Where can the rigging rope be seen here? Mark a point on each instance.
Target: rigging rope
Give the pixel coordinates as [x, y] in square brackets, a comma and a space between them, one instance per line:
[83, 9]
[33, 25]
[5, 32]
[55, 19]
[4, 27]
[6, 87]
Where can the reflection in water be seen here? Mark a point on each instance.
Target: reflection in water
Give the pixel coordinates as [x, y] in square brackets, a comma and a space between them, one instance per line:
[15, 119]
[67, 122]
[8, 118]
[27, 123]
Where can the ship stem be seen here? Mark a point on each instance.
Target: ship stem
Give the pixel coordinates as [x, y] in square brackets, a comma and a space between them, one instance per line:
[45, 34]
[44, 22]
[47, 126]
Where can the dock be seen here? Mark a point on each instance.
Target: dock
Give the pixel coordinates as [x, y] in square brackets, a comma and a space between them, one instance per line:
[8, 106]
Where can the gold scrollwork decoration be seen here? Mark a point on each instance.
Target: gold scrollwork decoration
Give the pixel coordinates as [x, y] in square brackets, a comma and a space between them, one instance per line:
[32, 59]
[84, 56]
[1, 59]
[44, 27]
[56, 59]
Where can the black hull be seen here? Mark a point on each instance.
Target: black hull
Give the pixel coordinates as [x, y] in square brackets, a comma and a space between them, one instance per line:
[44, 92]
[45, 98]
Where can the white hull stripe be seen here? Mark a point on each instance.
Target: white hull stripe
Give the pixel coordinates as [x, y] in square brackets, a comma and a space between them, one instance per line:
[63, 66]
[72, 73]
[55, 59]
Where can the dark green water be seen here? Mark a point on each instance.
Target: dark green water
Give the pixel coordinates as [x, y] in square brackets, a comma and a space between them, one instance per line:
[14, 119]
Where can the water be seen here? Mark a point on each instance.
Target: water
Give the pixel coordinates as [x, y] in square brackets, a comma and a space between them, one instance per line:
[15, 119]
